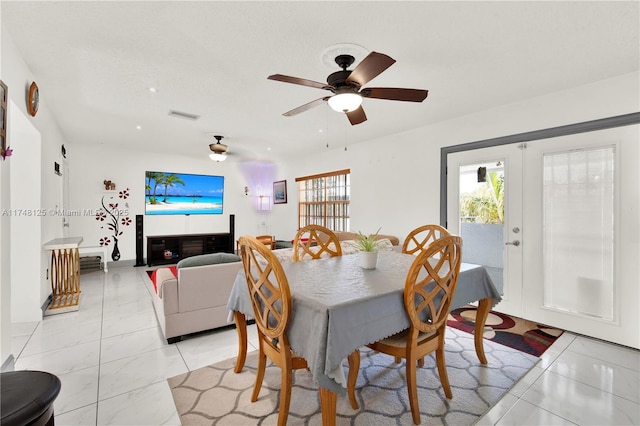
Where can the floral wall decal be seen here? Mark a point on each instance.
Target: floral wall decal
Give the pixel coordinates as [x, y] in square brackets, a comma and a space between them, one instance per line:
[114, 217]
[6, 153]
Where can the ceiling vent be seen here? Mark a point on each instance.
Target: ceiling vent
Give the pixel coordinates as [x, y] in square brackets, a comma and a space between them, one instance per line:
[185, 115]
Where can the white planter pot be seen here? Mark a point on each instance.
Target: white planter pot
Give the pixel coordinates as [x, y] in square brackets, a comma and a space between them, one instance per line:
[368, 259]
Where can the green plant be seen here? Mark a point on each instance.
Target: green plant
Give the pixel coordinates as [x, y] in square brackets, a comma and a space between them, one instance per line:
[367, 242]
[485, 204]
[169, 181]
[157, 179]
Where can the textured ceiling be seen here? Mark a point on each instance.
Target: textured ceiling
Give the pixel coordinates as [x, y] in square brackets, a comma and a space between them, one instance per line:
[94, 63]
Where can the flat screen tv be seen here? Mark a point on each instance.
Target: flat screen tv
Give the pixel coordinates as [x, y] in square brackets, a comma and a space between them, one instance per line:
[182, 193]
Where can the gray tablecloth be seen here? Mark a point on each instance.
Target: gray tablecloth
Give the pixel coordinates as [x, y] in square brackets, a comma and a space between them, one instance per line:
[338, 307]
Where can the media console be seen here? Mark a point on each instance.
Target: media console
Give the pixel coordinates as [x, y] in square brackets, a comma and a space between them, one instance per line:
[167, 249]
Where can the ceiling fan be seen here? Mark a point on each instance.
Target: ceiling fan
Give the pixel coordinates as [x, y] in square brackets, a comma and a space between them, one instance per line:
[347, 89]
[218, 150]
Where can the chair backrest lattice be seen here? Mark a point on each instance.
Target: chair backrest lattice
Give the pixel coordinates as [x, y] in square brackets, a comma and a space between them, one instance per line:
[420, 238]
[268, 287]
[315, 241]
[431, 283]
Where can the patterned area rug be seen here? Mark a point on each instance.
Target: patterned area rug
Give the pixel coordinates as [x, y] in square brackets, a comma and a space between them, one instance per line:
[517, 333]
[216, 395]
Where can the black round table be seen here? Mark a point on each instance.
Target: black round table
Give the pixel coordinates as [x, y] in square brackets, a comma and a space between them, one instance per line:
[27, 397]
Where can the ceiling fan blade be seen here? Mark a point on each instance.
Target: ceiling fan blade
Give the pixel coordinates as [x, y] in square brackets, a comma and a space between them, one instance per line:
[357, 116]
[306, 106]
[300, 81]
[395, 94]
[369, 68]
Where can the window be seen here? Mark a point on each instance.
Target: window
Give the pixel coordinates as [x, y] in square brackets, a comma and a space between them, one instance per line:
[578, 232]
[324, 200]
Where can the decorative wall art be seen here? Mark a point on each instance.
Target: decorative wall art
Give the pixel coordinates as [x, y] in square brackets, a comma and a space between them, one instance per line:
[182, 193]
[33, 99]
[280, 192]
[115, 216]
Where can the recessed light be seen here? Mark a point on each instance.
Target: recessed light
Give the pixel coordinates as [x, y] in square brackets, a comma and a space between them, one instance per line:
[139, 127]
[269, 149]
[153, 90]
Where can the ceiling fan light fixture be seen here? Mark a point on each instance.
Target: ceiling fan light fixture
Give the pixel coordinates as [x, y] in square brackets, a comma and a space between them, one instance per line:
[217, 157]
[345, 102]
[218, 150]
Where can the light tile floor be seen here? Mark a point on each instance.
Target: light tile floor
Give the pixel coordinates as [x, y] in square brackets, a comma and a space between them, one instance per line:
[113, 363]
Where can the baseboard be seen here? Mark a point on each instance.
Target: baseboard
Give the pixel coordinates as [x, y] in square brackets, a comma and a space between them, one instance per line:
[144, 263]
[47, 302]
[121, 264]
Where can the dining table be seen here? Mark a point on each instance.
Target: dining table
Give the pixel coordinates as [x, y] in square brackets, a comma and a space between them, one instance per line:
[339, 307]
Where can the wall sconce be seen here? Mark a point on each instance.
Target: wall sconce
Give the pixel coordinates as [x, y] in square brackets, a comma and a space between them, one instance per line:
[482, 174]
[265, 203]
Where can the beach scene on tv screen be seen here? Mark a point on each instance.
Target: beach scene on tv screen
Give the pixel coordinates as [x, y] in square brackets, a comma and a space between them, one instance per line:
[183, 193]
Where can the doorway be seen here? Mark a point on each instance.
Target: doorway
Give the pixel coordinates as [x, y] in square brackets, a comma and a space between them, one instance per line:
[566, 238]
[485, 209]
[581, 216]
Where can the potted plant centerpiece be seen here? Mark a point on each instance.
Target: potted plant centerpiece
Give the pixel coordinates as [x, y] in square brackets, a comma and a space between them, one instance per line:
[368, 246]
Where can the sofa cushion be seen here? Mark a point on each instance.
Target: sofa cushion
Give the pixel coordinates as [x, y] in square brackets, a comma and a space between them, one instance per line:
[281, 244]
[208, 259]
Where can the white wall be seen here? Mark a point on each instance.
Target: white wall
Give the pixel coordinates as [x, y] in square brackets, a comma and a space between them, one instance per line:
[26, 220]
[395, 181]
[5, 265]
[17, 76]
[90, 165]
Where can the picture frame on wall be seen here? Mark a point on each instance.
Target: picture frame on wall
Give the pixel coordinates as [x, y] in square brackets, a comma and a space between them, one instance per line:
[280, 192]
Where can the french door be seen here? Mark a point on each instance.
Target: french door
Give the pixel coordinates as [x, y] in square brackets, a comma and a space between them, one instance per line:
[569, 232]
[484, 207]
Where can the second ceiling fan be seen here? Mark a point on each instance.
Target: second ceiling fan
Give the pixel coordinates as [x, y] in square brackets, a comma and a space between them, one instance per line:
[347, 89]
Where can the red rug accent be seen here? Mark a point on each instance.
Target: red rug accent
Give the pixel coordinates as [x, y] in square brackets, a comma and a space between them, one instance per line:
[517, 333]
[152, 275]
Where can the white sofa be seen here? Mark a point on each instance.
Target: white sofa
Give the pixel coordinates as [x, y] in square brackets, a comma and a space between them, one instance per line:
[196, 299]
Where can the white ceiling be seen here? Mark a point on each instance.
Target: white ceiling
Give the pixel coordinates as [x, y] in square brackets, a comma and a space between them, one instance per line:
[94, 63]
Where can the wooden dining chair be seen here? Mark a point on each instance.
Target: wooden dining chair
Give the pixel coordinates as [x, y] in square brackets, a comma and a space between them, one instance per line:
[429, 289]
[315, 241]
[271, 302]
[420, 238]
[267, 240]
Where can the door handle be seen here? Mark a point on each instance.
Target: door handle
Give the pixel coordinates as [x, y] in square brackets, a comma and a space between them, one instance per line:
[512, 243]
